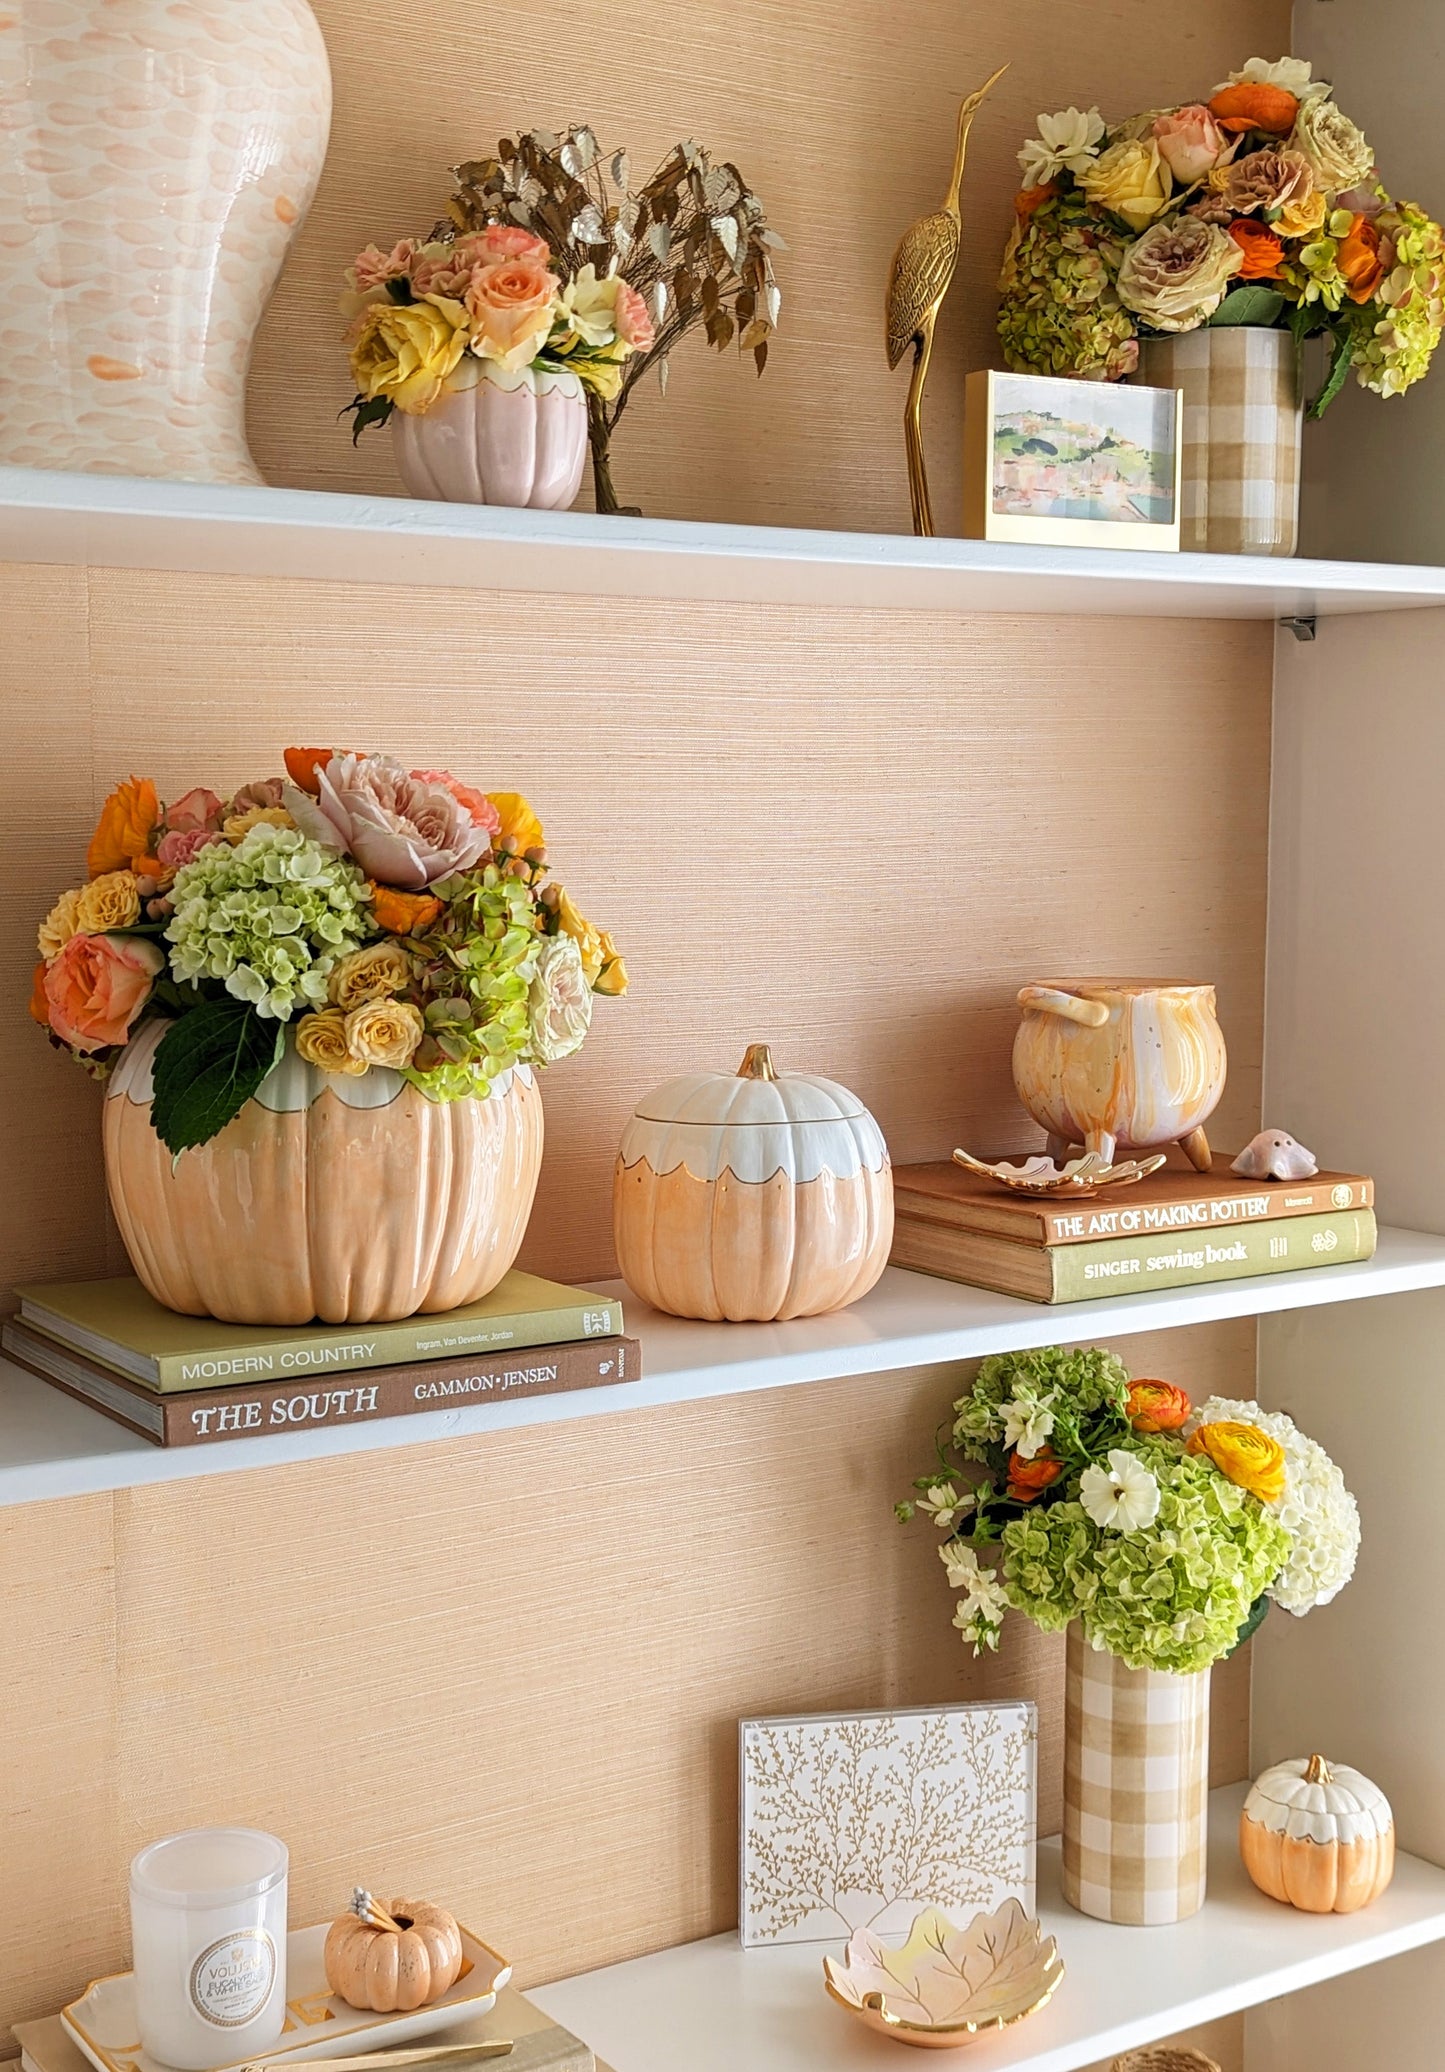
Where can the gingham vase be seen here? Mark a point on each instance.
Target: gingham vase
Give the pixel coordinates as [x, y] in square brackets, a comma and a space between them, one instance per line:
[1136, 1789]
[1243, 428]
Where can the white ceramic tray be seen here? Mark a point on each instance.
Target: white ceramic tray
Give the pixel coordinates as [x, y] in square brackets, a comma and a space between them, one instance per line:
[318, 2025]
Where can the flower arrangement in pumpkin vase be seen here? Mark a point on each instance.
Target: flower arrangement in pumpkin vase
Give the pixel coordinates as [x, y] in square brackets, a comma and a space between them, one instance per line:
[1166, 1529]
[1259, 205]
[371, 916]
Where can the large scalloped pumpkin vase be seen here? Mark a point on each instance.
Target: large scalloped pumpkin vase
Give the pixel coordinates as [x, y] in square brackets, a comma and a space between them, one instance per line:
[352, 1200]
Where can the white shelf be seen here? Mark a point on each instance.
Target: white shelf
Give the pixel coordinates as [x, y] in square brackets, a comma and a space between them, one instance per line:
[714, 2007]
[120, 522]
[52, 1446]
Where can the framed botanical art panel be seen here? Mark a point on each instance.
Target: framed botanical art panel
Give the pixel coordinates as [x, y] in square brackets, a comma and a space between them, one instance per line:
[860, 1819]
[1071, 463]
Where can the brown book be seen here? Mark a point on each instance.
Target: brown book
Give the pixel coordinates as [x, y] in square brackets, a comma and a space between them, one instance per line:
[196, 1417]
[1172, 1200]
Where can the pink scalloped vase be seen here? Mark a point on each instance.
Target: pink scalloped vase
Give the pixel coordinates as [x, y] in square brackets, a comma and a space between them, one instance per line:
[516, 439]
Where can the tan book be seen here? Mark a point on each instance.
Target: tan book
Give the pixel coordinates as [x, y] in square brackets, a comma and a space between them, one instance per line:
[1175, 1199]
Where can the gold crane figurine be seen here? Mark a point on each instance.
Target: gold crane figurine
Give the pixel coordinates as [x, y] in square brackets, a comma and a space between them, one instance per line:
[920, 277]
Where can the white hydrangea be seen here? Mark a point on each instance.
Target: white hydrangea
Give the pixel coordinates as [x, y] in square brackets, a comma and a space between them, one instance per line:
[1317, 1511]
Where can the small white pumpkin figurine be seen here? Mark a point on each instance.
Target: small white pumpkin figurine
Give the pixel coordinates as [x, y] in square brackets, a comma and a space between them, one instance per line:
[1318, 1836]
[391, 1960]
[752, 1195]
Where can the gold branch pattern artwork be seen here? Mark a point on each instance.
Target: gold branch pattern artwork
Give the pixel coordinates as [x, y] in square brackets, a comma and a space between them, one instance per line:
[860, 1820]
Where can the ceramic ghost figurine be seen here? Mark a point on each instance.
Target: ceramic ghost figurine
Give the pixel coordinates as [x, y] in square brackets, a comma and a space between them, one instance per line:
[1274, 1155]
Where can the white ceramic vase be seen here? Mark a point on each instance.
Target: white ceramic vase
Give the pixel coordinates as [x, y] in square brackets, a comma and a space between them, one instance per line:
[517, 438]
[1243, 435]
[156, 158]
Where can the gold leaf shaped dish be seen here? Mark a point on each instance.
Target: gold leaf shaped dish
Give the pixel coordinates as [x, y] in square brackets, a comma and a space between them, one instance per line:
[944, 1986]
[1079, 1179]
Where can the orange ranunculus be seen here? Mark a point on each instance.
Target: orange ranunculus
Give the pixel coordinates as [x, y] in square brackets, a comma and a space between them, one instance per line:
[39, 999]
[1254, 105]
[304, 767]
[403, 913]
[1359, 260]
[1157, 1406]
[516, 821]
[1030, 1478]
[1030, 198]
[164, 874]
[98, 985]
[1263, 250]
[1244, 1455]
[127, 821]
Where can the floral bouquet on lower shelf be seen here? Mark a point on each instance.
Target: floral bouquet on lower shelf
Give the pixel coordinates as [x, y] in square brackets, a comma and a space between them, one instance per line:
[376, 916]
[1166, 1529]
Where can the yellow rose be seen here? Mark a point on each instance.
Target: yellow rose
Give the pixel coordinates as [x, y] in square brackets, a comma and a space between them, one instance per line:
[613, 977]
[58, 926]
[1302, 218]
[321, 1040]
[517, 821]
[405, 351]
[239, 825]
[374, 973]
[386, 1032]
[586, 937]
[1130, 179]
[109, 901]
[1244, 1455]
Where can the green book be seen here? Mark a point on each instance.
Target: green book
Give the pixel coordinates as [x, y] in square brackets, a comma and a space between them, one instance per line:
[117, 1323]
[1132, 1265]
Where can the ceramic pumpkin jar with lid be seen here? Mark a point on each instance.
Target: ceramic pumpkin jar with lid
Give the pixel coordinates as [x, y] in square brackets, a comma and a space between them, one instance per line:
[1318, 1836]
[752, 1196]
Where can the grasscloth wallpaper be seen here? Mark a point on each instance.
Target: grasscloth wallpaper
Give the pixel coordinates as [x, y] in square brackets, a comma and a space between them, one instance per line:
[509, 1671]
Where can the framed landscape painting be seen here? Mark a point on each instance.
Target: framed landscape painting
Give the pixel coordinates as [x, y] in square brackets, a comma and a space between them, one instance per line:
[1071, 463]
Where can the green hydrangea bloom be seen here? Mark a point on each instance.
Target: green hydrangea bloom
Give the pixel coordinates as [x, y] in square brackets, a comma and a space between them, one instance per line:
[268, 919]
[1059, 313]
[1090, 1379]
[476, 966]
[1313, 275]
[1395, 343]
[1173, 1597]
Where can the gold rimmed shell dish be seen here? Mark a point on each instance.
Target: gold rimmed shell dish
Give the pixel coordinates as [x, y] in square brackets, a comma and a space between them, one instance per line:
[945, 1985]
[1079, 1179]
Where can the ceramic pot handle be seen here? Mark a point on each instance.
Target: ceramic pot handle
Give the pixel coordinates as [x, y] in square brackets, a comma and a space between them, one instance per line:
[1048, 1000]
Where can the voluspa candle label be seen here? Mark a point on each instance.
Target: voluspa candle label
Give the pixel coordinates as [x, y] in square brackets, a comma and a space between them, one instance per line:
[231, 1980]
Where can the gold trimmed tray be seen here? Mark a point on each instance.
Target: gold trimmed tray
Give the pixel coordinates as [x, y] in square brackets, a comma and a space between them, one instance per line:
[102, 2022]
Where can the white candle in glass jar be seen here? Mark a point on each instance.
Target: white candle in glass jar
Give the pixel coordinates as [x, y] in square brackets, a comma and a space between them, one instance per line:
[208, 1930]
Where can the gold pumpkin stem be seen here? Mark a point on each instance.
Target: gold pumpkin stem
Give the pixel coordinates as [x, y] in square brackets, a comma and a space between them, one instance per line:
[1317, 1771]
[758, 1064]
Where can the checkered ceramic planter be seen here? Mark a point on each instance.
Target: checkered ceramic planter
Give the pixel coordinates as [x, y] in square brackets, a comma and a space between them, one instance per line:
[1243, 424]
[1136, 1787]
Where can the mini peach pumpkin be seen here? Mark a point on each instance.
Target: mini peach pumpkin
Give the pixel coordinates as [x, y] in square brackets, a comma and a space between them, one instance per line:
[1318, 1836]
[376, 1968]
[752, 1195]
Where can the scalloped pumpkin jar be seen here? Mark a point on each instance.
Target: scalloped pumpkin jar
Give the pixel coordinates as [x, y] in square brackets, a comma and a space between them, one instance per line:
[355, 1201]
[752, 1196]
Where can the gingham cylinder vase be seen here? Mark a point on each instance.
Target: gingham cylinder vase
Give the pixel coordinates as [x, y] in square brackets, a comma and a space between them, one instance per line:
[1243, 431]
[1136, 1789]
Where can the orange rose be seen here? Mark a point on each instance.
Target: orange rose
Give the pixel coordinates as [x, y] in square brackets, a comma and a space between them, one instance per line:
[1263, 251]
[127, 821]
[39, 1001]
[511, 305]
[1157, 1406]
[1030, 198]
[1253, 105]
[98, 985]
[403, 913]
[1029, 1478]
[1359, 260]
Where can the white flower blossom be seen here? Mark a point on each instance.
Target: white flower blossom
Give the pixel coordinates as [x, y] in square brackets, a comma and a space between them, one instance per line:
[980, 1613]
[1293, 74]
[1066, 143]
[1316, 1510]
[1124, 1497]
[943, 1504]
[1027, 1423]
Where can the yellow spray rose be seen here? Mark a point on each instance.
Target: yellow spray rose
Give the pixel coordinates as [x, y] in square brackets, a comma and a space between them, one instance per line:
[587, 938]
[385, 1032]
[373, 973]
[1304, 218]
[1244, 1455]
[321, 1040]
[1130, 179]
[59, 925]
[612, 978]
[405, 351]
[109, 901]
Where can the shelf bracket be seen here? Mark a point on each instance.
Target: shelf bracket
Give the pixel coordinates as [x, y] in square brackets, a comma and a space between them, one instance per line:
[1302, 629]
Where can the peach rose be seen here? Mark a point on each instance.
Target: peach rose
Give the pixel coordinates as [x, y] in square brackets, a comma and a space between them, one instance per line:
[199, 808]
[500, 241]
[321, 1041]
[127, 821]
[98, 985]
[511, 305]
[182, 846]
[1191, 143]
[476, 802]
[39, 1002]
[384, 1032]
[373, 973]
[443, 270]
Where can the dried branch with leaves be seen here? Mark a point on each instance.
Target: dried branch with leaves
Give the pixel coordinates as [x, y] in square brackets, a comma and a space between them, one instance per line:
[693, 241]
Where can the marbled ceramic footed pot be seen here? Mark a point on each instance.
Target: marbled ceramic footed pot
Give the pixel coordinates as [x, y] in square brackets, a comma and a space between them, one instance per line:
[156, 160]
[1107, 1063]
[516, 439]
[352, 1200]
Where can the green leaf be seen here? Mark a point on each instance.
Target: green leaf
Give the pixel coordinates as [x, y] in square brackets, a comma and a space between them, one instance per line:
[1253, 1621]
[1251, 305]
[1335, 379]
[207, 1066]
[367, 410]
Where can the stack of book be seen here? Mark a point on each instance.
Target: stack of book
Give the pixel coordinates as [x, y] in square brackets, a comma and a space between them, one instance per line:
[1177, 1229]
[187, 1381]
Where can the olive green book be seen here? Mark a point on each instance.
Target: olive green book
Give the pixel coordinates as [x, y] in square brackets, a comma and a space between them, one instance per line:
[117, 1323]
[1132, 1265]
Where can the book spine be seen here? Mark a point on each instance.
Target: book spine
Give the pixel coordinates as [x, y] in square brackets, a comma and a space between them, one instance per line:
[1097, 1221]
[1132, 1266]
[393, 1345]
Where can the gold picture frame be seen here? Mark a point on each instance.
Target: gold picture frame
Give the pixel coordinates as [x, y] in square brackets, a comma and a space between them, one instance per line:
[1072, 463]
